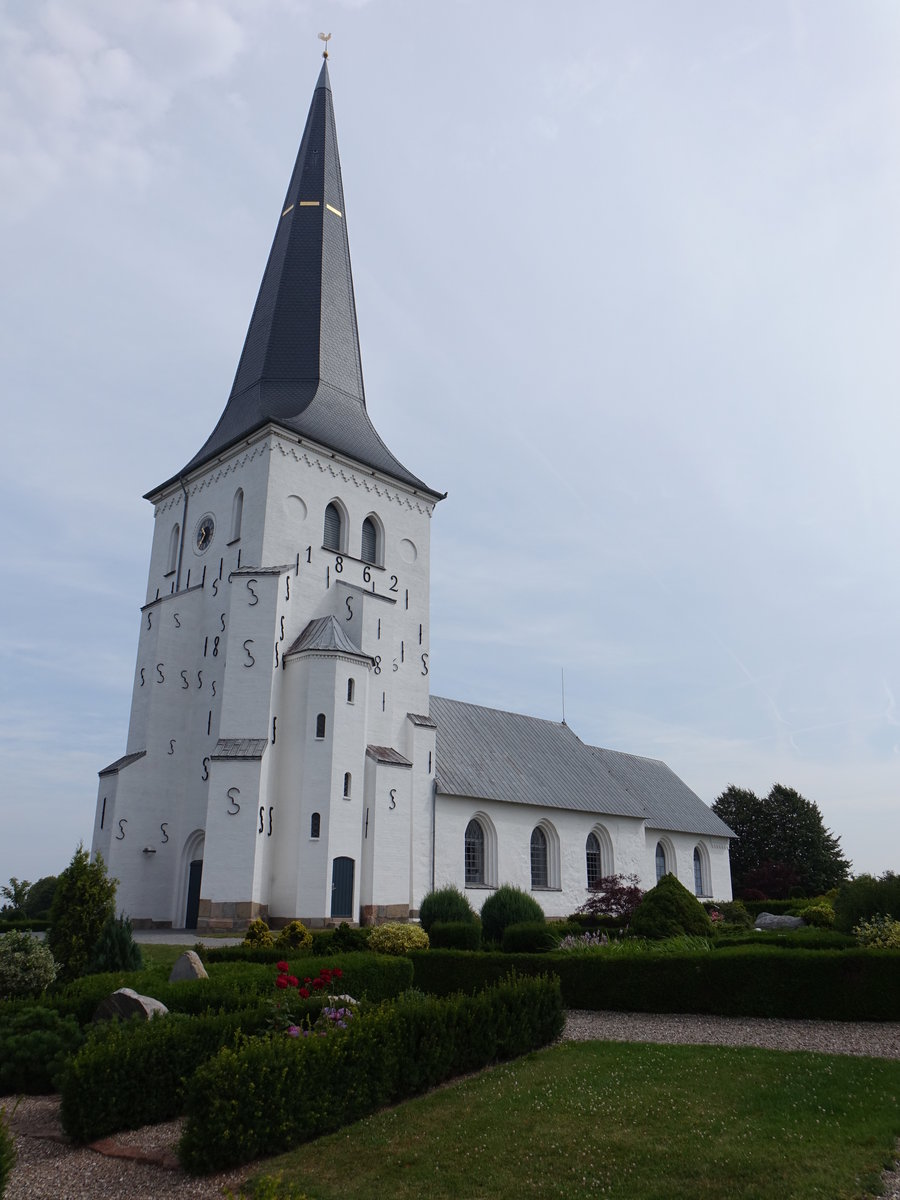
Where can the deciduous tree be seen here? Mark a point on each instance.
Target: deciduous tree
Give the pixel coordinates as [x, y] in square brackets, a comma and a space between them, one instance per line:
[781, 842]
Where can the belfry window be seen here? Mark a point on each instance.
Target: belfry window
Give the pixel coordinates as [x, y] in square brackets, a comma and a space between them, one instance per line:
[332, 536]
[474, 853]
[174, 540]
[539, 873]
[237, 515]
[348, 784]
[320, 727]
[315, 825]
[369, 550]
[351, 690]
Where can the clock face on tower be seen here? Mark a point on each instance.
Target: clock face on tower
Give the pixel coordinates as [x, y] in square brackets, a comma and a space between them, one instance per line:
[203, 534]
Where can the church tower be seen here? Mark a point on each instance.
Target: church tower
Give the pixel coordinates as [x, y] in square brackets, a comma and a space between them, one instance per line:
[280, 761]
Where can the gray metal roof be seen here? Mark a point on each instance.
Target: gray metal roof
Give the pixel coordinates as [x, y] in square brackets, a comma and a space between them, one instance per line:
[300, 367]
[125, 761]
[387, 754]
[240, 748]
[419, 719]
[495, 755]
[325, 634]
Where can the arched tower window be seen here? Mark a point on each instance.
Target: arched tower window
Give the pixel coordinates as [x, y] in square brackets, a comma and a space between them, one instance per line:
[174, 540]
[332, 538]
[370, 551]
[315, 825]
[474, 852]
[661, 867]
[237, 514]
[348, 784]
[539, 873]
[320, 726]
[351, 690]
[593, 860]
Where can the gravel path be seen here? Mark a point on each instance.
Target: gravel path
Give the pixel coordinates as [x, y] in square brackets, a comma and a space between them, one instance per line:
[48, 1168]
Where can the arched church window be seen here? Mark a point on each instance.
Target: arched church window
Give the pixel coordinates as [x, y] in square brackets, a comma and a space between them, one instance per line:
[593, 860]
[351, 690]
[315, 825]
[369, 550]
[698, 873]
[320, 726]
[237, 514]
[348, 784]
[660, 861]
[539, 874]
[474, 852]
[174, 541]
[333, 528]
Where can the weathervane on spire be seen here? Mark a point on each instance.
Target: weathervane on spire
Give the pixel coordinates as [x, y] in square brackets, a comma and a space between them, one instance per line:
[326, 38]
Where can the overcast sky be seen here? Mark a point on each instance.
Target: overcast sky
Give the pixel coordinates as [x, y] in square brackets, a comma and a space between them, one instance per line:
[628, 289]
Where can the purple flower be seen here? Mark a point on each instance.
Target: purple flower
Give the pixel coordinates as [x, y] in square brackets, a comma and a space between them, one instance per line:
[293, 1030]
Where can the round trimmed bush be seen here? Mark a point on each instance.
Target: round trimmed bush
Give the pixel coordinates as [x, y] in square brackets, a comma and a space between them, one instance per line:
[445, 904]
[258, 935]
[395, 938]
[26, 965]
[35, 1044]
[294, 936]
[819, 915]
[669, 910]
[507, 906]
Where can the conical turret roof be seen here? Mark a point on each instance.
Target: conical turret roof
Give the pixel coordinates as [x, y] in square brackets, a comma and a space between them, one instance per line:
[300, 367]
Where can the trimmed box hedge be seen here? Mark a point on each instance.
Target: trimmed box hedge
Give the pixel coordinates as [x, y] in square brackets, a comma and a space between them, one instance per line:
[272, 1094]
[234, 985]
[748, 981]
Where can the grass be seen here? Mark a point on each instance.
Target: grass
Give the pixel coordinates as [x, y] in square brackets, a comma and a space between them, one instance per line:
[627, 1121]
[158, 955]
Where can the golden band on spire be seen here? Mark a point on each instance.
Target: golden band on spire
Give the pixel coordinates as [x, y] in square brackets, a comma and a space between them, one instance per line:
[326, 38]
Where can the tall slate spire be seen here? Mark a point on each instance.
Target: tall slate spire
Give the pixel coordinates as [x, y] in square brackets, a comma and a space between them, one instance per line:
[300, 367]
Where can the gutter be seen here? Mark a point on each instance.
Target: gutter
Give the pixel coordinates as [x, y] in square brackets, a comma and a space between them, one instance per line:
[183, 528]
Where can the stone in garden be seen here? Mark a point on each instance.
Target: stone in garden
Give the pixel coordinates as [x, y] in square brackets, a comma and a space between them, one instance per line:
[188, 966]
[127, 1003]
[770, 921]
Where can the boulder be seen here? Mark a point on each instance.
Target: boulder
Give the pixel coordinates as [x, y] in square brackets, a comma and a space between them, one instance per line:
[188, 966]
[127, 1003]
[766, 920]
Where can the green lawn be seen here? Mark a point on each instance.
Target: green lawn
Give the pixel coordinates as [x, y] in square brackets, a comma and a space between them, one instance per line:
[633, 1121]
[158, 955]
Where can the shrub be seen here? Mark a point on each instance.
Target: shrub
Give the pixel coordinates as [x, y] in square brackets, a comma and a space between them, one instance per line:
[819, 915]
[258, 935]
[456, 935]
[613, 896]
[865, 896]
[507, 906]
[395, 938]
[529, 937]
[294, 936]
[668, 910]
[7, 1151]
[83, 902]
[35, 1043]
[445, 904]
[115, 949]
[243, 1104]
[880, 933]
[26, 965]
[734, 912]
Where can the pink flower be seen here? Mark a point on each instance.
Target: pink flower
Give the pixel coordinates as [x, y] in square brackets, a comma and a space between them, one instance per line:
[293, 981]
[281, 981]
[283, 967]
[304, 992]
[337, 972]
[293, 1031]
[318, 983]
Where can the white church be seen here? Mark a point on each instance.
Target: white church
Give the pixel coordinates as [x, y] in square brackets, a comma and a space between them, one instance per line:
[285, 757]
